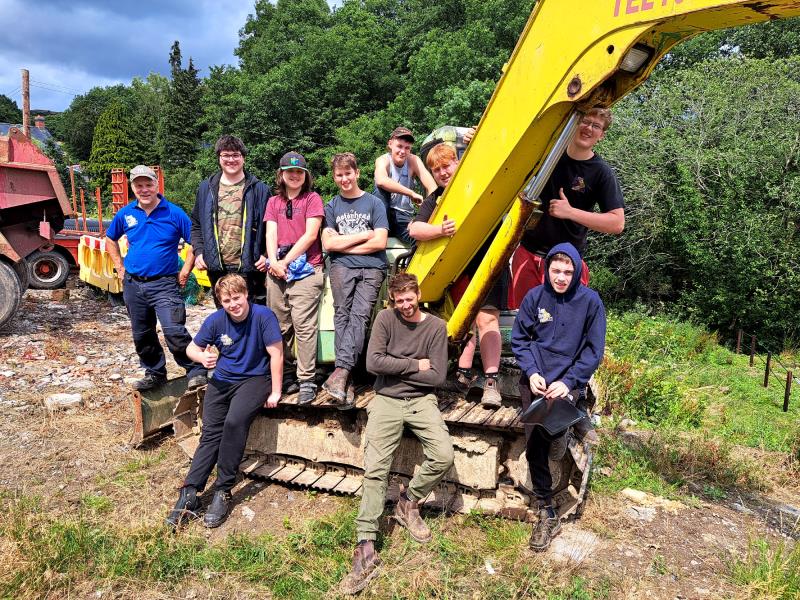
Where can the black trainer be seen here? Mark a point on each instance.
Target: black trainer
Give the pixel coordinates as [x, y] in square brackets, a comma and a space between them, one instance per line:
[185, 508]
[149, 381]
[308, 392]
[218, 511]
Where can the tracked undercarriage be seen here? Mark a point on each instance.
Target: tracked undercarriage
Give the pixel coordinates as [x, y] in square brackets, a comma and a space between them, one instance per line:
[319, 447]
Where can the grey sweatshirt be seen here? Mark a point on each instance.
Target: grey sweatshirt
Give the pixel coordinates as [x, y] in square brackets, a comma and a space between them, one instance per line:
[395, 348]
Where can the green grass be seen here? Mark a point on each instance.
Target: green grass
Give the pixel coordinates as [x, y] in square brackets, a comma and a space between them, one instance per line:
[769, 571]
[53, 555]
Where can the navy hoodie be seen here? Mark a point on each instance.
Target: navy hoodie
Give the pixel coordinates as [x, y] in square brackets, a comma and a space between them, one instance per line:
[560, 336]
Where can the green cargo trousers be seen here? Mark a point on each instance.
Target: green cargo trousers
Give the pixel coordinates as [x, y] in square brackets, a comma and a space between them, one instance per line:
[386, 418]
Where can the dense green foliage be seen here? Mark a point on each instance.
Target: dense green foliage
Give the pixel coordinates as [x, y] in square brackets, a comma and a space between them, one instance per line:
[112, 145]
[9, 111]
[706, 150]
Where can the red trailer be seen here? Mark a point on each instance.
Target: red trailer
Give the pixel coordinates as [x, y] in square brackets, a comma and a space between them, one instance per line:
[33, 205]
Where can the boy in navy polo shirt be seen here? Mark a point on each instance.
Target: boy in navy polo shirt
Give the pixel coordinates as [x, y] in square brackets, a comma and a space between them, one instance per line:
[151, 277]
[242, 342]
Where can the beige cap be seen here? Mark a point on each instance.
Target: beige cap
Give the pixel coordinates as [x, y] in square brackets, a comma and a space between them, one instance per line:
[143, 171]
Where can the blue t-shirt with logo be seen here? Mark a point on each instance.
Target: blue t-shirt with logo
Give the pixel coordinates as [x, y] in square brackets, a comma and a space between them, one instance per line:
[242, 346]
[152, 239]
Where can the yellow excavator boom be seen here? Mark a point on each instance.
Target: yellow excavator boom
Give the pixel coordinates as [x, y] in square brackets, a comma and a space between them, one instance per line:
[572, 55]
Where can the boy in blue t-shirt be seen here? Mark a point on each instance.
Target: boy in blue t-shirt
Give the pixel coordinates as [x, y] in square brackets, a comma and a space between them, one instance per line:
[242, 342]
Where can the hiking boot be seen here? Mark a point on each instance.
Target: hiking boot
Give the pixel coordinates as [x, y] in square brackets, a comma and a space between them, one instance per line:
[197, 381]
[584, 431]
[349, 399]
[149, 381]
[462, 383]
[185, 508]
[558, 448]
[547, 527]
[308, 392]
[218, 511]
[291, 386]
[366, 566]
[336, 384]
[491, 395]
[406, 512]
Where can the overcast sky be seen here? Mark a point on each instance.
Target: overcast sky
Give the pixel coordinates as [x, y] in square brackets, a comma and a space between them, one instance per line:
[70, 46]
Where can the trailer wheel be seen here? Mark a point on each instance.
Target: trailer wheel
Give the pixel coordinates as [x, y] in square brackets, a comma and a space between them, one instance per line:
[47, 270]
[10, 293]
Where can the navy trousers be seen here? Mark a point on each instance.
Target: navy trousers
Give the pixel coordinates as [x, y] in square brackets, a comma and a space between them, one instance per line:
[159, 299]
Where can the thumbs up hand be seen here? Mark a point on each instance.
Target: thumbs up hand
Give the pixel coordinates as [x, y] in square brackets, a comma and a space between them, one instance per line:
[209, 360]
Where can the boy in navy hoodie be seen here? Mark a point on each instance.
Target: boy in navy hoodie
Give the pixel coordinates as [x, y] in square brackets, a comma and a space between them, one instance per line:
[558, 340]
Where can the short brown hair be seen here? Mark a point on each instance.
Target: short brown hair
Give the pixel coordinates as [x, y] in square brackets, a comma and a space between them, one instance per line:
[230, 284]
[440, 154]
[230, 143]
[403, 282]
[560, 257]
[344, 160]
[604, 114]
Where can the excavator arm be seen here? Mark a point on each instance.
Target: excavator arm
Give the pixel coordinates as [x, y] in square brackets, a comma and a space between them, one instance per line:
[572, 55]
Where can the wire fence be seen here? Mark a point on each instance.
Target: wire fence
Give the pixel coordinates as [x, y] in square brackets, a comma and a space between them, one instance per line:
[773, 367]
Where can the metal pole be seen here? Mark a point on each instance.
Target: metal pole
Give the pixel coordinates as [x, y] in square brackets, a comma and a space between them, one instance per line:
[739, 342]
[752, 349]
[766, 371]
[26, 103]
[788, 391]
[84, 228]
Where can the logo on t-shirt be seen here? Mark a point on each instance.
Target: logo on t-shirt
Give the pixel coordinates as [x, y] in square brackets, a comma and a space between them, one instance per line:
[131, 221]
[225, 339]
[578, 184]
[353, 222]
[544, 316]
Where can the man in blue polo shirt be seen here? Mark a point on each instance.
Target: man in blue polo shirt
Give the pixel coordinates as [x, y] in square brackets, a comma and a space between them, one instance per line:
[151, 276]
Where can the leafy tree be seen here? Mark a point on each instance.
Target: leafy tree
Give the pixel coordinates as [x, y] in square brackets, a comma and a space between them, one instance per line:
[180, 130]
[112, 146]
[709, 167]
[80, 119]
[147, 105]
[9, 111]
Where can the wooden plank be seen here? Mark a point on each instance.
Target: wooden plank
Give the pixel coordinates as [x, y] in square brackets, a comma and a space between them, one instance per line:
[477, 415]
[503, 417]
[457, 410]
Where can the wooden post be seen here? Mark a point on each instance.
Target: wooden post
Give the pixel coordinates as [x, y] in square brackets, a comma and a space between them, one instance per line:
[72, 186]
[766, 371]
[788, 391]
[26, 103]
[739, 342]
[99, 210]
[84, 228]
[752, 349]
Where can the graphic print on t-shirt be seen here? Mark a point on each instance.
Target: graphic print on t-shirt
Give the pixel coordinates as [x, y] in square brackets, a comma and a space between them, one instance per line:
[578, 184]
[353, 221]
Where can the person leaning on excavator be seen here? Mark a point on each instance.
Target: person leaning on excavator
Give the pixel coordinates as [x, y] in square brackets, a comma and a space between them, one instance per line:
[558, 340]
[580, 181]
[443, 161]
[408, 353]
[228, 220]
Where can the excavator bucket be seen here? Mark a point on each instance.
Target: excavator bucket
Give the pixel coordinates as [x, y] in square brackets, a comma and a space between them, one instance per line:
[169, 405]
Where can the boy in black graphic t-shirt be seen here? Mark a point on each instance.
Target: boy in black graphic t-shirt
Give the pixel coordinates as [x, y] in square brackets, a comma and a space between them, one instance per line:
[355, 232]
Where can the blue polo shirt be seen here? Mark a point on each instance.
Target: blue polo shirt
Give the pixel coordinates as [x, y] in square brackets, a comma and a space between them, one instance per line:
[242, 346]
[152, 239]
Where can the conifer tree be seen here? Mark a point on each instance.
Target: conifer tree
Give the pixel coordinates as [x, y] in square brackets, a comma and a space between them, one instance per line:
[112, 145]
[180, 131]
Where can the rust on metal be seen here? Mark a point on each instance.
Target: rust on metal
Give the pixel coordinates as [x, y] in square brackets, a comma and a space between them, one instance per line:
[574, 87]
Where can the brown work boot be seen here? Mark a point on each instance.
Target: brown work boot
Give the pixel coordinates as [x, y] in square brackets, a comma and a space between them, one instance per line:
[336, 384]
[407, 514]
[547, 527]
[366, 566]
[491, 395]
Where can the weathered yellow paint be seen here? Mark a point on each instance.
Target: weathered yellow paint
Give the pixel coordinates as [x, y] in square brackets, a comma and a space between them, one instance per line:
[562, 40]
